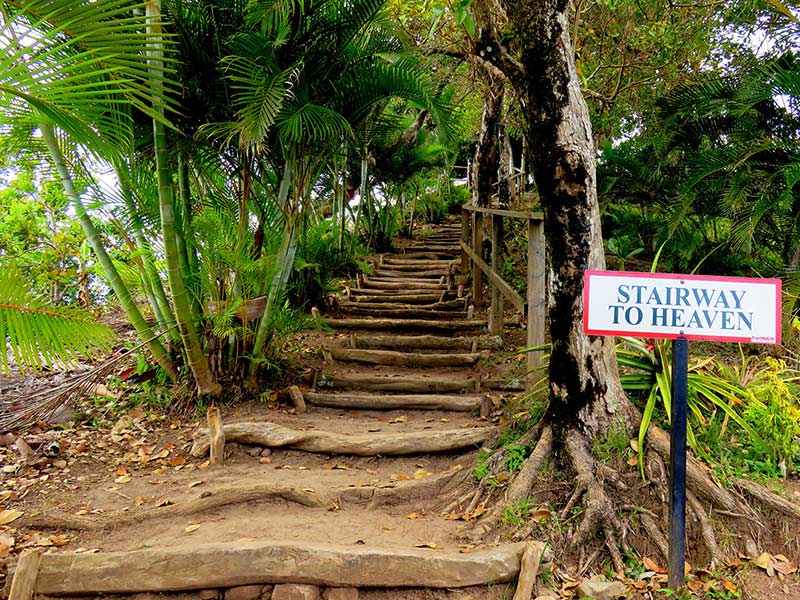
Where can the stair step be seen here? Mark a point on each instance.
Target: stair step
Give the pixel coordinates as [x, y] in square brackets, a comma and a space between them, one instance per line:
[426, 342]
[425, 324]
[405, 359]
[231, 564]
[403, 384]
[378, 443]
[401, 285]
[460, 402]
[402, 313]
[388, 303]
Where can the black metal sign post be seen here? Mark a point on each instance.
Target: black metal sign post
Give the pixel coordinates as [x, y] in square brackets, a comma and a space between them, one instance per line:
[677, 463]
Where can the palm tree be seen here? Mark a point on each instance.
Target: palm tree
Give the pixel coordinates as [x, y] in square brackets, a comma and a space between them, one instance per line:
[38, 333]
[79, 70]
[304, 77]
[739, 133]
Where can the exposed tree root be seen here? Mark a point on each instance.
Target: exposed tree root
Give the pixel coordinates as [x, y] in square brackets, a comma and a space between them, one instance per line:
[520, 487]
[600, 514]
[706, 530]
[273, 435]
[769, 499]
[698, 477]
[656, 534]
[594, 503]
[215, 499]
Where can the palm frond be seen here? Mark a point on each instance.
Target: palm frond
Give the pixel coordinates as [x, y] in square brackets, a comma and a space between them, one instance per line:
[39, 335]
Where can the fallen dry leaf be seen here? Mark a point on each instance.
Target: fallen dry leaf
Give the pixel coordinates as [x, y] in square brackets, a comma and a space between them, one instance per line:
[400, 419]
[9, 515]
[196, 483]
[413, 516]
[432, 545]
[541, 516]
[121, 470]
[163, 502]
[177, 460]
[7, 495]
[652, 565]
[422, 474]
[729, 585]
[191, 528]
[139, 500]
[122, 479]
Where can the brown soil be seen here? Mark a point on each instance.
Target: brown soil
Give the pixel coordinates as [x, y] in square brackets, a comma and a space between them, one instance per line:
[140, 462]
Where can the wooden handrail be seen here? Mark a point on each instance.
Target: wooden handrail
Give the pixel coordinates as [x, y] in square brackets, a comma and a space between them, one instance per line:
[504, 212]
[472, 236]
[495, 278]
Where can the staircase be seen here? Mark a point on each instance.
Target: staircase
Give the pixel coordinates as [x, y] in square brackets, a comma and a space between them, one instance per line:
[363, 487]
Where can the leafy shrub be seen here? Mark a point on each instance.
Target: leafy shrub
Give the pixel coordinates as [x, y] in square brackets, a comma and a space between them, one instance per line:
[319, 261]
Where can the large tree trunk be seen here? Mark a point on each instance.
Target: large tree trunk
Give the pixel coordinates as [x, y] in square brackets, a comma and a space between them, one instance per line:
[584, 380]
[487, 152]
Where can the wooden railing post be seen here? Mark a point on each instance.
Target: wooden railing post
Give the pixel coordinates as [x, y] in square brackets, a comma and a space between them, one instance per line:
[477, 247]
[465, 240]
[496, 312]
[536, 296]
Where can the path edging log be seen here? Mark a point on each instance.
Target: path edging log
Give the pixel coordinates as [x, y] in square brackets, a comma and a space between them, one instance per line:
[223, 565]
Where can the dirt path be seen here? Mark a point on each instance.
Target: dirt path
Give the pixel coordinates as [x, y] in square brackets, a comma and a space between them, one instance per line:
[362, 494]
[376, 462]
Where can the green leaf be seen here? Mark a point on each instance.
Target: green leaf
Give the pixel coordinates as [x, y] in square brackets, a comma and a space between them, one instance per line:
[40, 335]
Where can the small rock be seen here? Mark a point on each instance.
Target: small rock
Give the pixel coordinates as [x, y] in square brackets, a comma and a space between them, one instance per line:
[244, 592]
[254, 451]
[266, 452]
[340, 594]
[208, 594]
[266, 592]
[602, 590]
[547, 597]
[295, 591]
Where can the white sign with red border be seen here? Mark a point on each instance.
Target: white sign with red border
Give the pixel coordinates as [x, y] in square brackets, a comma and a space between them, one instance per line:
[668, 305]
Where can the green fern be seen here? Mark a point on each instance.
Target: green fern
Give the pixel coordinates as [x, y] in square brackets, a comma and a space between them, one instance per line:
[39, 334]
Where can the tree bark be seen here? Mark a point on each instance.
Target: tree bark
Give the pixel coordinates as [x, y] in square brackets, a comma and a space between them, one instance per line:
[584, 380]
[487, 152]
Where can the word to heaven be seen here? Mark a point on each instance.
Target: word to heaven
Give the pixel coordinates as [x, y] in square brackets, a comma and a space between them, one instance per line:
[682, 307]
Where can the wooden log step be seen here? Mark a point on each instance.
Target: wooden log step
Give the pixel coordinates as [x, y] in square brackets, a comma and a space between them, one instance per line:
[405, 384]
[405, 359]
[400, 285]
[446, 249]
[426, 255]
[403, 313]
[423, 267]
[273, 435]
[388, 303]
[233, 564]
[425, 324]
[410, 276]
[436, 263]
[426, 342]
[460, 402]
[367, 296]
